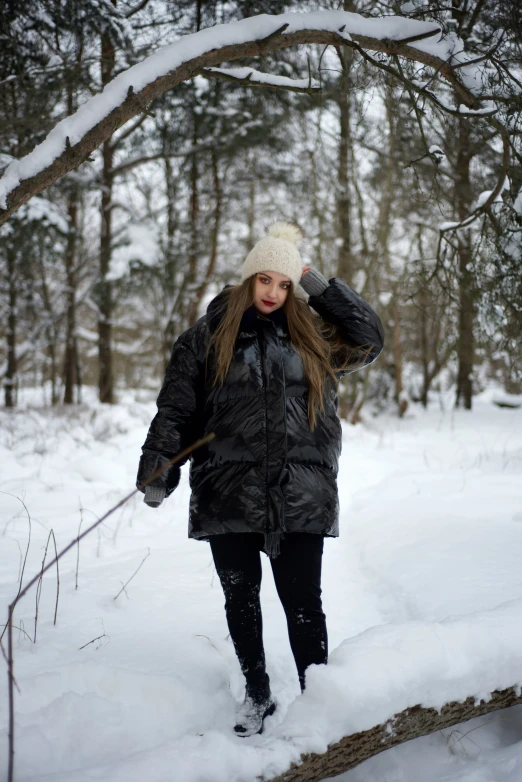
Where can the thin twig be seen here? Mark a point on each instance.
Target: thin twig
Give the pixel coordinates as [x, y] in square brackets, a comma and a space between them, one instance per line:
[57, 577]
[78, 550]
[39, 588]
[123, 588]
[28, 541]
[22, 630]
[130, 579]
[20, 561]
[10, 675]
[93, 641]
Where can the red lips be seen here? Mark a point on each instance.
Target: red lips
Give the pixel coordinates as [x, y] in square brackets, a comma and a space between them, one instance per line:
[268, 303]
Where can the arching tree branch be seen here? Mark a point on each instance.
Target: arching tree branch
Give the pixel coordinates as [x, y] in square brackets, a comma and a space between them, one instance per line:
[67, 146]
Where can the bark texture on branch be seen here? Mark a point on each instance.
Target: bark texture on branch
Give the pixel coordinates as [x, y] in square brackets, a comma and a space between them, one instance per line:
[409, 724]
[138, 102]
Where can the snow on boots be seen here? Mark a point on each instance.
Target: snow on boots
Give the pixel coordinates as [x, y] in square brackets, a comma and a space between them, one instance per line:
[251, 715]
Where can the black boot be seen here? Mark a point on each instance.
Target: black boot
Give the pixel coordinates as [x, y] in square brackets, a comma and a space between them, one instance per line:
[252, 713]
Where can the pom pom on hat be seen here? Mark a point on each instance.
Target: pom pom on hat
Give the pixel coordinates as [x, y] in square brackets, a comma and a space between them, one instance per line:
[290, 232]
[277, 252]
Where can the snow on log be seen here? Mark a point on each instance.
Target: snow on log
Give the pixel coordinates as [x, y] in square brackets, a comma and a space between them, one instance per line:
[130, 93]
[396, 682]
[409, 724]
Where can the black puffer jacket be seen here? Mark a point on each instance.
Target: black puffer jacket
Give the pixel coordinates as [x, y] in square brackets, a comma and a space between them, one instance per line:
[264, 471]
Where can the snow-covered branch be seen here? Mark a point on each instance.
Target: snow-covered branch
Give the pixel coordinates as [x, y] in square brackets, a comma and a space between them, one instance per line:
[253, 78]
[74, 139]
[484, 204]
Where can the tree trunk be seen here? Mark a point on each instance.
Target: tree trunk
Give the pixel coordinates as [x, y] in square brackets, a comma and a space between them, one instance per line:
[11, 370]
[344, 259]
[465, 276]
[50, 330]
[71, 375]
[425, 358]
[251, 210]
[105, 297]
[218, 211]
[190, 280]
[170, 293]
[70, 357]
[105, 302]
[190, 293]
[402, 402]
[54, 374]
[381, 254]
[316, 203]
[466, 322]
[409, 724]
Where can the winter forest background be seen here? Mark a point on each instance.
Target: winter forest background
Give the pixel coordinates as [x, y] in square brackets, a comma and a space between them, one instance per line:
[394, 140]
[101, 271]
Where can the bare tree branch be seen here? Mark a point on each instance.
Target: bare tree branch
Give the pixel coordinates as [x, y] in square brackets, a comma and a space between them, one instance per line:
[136, 9]
[129, 131]
[486, 206]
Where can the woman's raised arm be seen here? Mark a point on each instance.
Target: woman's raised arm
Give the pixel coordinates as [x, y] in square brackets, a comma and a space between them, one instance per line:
[357, 323]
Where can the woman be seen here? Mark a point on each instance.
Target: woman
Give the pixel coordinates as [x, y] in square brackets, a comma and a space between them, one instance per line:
[260, 370]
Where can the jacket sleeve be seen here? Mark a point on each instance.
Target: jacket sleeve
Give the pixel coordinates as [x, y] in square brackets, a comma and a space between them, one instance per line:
[176, 424]
[357, 323]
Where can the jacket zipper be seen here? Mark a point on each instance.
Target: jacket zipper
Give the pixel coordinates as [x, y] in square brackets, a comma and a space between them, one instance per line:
[263, 355]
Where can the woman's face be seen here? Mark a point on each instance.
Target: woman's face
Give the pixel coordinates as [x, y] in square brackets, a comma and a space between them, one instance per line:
[270, 291]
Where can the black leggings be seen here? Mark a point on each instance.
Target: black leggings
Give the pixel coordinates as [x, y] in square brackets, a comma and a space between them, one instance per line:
[297, 576]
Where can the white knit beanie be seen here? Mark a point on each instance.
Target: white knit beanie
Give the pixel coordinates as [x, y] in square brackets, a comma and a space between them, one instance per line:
[277, 252]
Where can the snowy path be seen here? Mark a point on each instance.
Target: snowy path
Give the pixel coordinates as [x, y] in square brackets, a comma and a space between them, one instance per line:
[431, 528]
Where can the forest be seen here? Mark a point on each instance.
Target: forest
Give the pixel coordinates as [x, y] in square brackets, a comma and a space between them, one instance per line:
[404, 174]
[145, 145]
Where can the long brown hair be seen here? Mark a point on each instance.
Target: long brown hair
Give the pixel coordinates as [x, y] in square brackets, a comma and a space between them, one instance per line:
[319, 344]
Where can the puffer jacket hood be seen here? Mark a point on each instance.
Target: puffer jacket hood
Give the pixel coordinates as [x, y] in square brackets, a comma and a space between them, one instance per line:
[264, 471]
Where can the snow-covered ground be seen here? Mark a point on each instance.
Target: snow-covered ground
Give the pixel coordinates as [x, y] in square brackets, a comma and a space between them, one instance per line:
[422, 592]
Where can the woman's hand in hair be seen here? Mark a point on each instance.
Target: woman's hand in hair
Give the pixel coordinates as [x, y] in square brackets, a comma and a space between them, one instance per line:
[305, 269]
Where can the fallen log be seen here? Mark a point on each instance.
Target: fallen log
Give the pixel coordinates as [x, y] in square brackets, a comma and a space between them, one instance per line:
[408, 724]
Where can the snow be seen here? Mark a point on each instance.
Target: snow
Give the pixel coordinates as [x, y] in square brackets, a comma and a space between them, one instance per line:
[140, 243]
[257, 77]
[187, 48]
[422, 594]
[451, 47]
[42, 210]
[482, 198]
[488, 108]
[517, 206]
[503, 398]
[396, 666]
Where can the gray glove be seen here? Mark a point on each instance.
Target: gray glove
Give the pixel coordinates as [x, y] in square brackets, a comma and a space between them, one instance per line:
[154, 496]
[313, 282]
